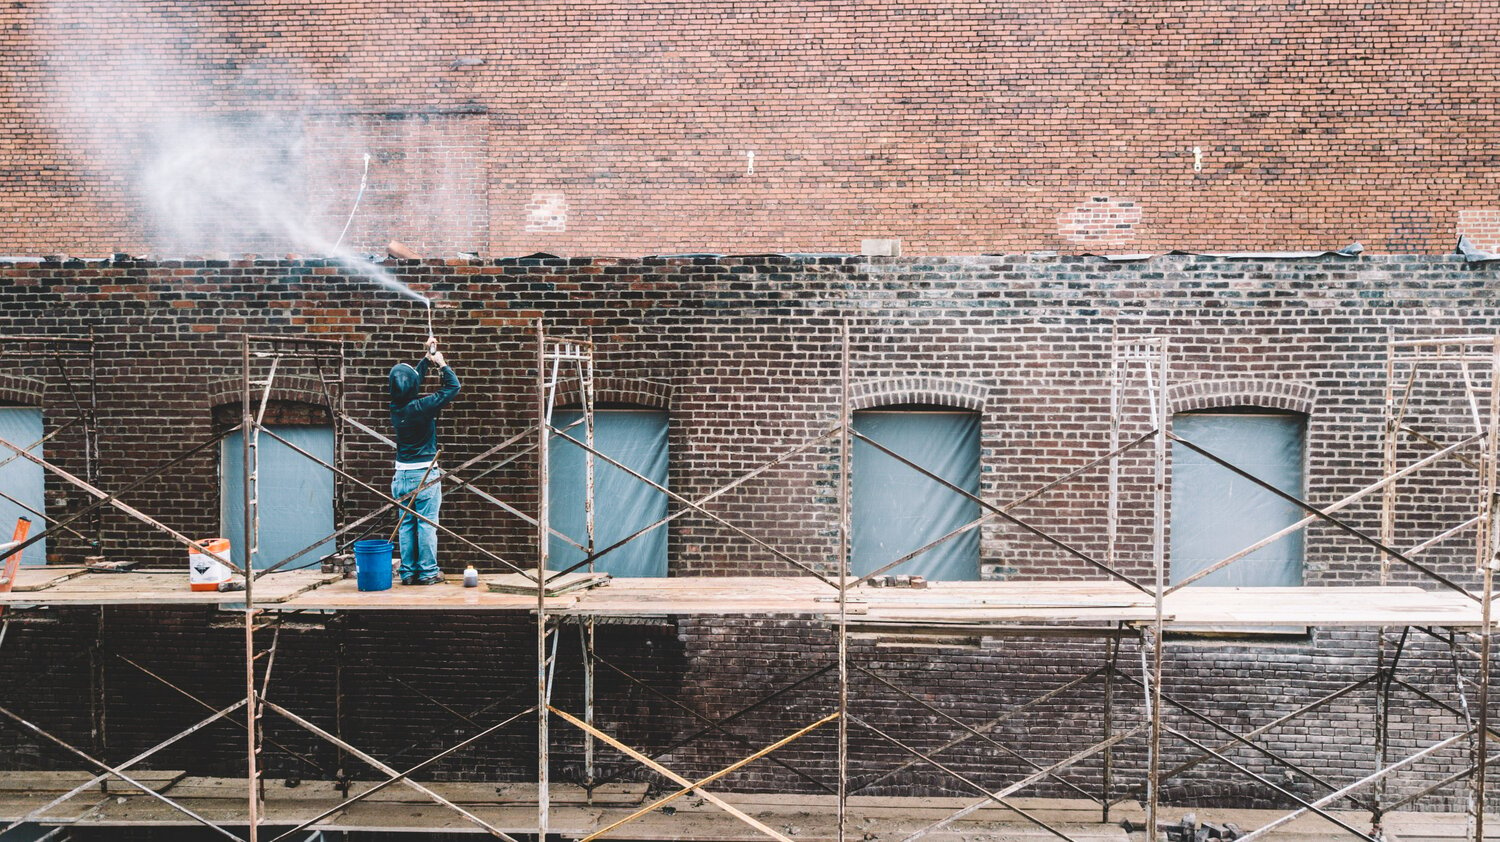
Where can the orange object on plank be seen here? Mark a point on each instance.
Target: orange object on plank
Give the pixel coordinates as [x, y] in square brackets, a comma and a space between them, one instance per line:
[11, 567]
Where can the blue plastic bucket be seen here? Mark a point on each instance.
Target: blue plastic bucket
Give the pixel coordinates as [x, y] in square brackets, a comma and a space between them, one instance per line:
[372, 565]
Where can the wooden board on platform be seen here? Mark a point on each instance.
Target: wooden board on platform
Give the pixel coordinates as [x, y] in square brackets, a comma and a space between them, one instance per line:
[54, 783]
[42, 576]
[556, 585]
[710, 596]
[1430, 827]
[512, 808]
[345, 595]
[23, 792]
[163, 587]
[1322, 606]
[968, 604]
[459, 792]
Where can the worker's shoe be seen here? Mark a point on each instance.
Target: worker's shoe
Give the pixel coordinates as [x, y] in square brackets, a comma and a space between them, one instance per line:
[434, 579]
[408, 580]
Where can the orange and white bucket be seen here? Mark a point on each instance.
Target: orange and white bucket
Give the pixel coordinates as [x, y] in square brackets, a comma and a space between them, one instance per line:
[205, 572]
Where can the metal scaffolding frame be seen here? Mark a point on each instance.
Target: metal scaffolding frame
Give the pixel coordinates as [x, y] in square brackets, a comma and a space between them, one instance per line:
[76, 359]
[1140, 371]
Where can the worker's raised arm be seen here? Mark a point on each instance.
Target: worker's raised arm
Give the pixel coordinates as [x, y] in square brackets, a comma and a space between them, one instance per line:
[444, 395]
[450, 387]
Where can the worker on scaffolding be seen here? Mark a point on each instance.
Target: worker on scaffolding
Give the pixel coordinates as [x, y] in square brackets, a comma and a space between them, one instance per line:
[417, 482]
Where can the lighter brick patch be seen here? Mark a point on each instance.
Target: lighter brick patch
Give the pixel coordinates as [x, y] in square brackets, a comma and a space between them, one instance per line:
[547, 211]
[1100, 221]
[1481, 226]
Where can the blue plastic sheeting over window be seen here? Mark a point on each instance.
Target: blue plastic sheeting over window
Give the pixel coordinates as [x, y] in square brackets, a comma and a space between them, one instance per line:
[622, 503]
[295, 496]
[1216, 513]
[897, 509]
[22, 478]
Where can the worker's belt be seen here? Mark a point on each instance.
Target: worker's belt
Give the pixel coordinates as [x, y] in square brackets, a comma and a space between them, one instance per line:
[413, 466]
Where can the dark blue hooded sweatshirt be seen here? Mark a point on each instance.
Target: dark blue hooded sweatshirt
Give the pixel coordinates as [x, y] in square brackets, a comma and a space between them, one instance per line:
[414, 418]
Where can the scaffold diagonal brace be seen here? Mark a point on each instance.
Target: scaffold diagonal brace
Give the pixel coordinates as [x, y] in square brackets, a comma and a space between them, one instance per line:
[1264, 830]
[402, 777]
[115, 771]
[183, 734]
[704, 781]
[346, 746]
[669, 774]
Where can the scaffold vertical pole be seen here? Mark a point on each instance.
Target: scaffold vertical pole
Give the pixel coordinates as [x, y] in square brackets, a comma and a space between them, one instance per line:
[247, 489]
[843, 562]
[340, 440]
[586, 629]
[340, 655]
[1107, 772]
[1389, 454]
[542, 528]
[1112, 531]
[97, 676]
[1388, 502]
[1159, 562]
[1485, 552]
[91, 441]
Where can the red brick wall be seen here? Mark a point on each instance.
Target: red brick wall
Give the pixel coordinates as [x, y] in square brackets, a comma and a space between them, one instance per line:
[601, 128]
[747, 346]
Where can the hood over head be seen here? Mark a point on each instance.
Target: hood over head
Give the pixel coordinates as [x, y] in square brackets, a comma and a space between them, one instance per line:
[404, 383]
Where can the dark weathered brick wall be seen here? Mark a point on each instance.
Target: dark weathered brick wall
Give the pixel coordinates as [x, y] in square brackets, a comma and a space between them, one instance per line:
[600, 128]
[748, 347]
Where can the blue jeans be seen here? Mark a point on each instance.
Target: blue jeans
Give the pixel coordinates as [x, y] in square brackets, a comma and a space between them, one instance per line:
[418, 539]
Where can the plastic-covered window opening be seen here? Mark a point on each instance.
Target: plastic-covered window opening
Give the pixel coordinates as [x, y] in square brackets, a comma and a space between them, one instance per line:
[1216, 513]
[897, 509]
[295, 495]
[23, 479]
[635, 437]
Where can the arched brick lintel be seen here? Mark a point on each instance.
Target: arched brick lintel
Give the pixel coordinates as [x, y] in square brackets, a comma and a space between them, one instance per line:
[936, 391]
[1288, 395]
[636, 391]
[295, 389]
[17, 390]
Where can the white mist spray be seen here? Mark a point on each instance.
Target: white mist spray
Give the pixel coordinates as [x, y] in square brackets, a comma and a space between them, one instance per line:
[220, 187]
[225, 169]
